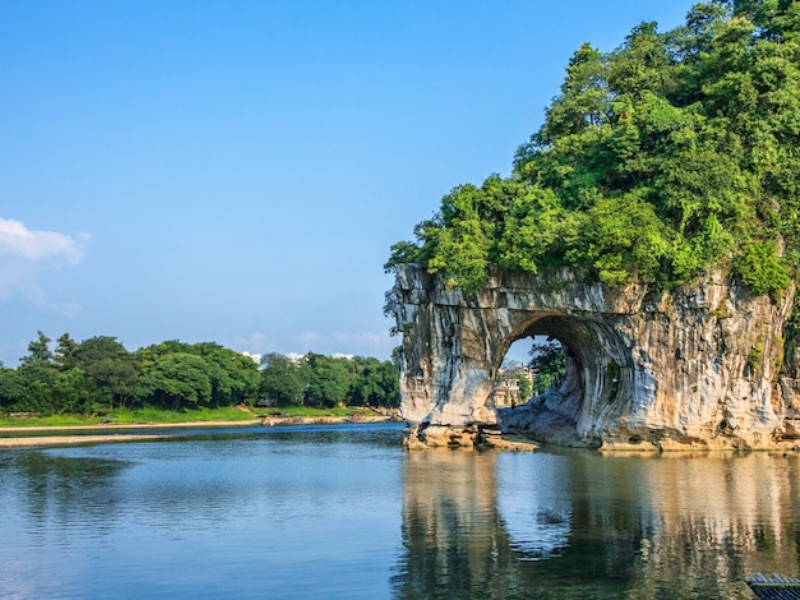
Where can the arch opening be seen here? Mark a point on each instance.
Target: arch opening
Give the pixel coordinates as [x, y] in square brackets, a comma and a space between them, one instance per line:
[532, 365]
[592, 385]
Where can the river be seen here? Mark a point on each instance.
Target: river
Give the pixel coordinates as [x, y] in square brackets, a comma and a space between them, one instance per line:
[343, 512]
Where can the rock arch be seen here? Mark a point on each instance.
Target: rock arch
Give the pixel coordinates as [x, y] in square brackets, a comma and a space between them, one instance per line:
[697, 367]
[602, 377]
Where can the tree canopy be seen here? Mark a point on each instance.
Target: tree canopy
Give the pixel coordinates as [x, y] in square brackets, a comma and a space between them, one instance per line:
[99, 374]
[675, 153]
[317, 380]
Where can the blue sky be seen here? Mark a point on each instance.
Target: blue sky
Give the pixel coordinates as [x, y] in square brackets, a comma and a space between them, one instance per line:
[237, 171]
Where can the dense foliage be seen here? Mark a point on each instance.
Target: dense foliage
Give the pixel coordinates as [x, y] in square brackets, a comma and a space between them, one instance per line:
[317, 380]
[673, 154]
[98, 375]
[549, 363]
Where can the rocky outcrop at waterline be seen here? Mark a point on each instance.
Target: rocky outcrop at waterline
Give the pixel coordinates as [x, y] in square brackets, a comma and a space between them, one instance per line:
[696, 367]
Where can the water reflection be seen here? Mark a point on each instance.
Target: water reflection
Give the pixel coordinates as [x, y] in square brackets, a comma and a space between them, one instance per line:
[320, 515]
[277, 514]
[711, 521]
[61, 486]
[580, 525]
[456, 544]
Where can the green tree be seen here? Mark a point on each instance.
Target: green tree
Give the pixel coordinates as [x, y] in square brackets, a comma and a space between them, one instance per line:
[762, 269]
[329, 380]
[38, 351]
[110, 369]
[549, 363]
[64, 349]
[374, 383]
[12, 389]
[585, 97]
[37, 379]
[234, 377]
[178, 379]
[71, 394]
[283, 379]
[524, 387]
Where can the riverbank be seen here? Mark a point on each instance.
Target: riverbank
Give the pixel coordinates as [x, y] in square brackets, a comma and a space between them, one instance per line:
[35, 436]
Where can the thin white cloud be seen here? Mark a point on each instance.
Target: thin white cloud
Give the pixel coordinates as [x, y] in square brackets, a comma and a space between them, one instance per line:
[25, 253]
[37, 246]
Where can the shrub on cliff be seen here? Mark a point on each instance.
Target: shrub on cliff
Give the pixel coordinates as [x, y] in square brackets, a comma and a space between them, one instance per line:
[677, 152]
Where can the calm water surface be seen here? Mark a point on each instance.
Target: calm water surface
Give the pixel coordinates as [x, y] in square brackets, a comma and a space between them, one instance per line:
[344, 512]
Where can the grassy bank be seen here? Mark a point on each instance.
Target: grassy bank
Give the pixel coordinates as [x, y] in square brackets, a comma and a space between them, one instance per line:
[159, 416]
[131, 417]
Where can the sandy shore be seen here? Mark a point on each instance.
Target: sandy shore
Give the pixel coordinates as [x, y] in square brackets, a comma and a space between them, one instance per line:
[111, 433]
[116, 432]
[123, 426]
[72, 440]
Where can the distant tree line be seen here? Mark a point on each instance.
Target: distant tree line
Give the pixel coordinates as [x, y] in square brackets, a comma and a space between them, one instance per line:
[317, 380]
[98, 375]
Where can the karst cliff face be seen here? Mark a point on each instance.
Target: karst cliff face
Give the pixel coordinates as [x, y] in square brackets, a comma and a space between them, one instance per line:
[697, 367]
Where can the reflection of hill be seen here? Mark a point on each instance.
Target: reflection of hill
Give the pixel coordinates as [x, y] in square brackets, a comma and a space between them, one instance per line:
[455, 543]
[711, 521]
[582, 525]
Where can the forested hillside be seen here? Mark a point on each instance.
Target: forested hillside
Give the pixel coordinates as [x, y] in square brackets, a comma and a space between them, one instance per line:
[675, 153]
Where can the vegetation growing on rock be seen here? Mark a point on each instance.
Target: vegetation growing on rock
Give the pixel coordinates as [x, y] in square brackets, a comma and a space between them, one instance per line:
[675, 153]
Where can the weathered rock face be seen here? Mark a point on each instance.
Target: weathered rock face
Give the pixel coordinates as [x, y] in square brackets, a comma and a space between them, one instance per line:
[696, 367]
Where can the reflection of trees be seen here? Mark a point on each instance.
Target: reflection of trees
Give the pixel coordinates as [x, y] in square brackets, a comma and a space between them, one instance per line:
[65, 489]
[58, 487]
[582, 525]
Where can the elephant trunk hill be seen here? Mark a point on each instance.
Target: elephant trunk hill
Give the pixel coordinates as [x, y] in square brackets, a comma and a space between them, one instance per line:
[652, 226]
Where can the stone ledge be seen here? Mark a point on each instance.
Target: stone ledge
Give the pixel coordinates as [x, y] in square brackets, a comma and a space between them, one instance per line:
[515, 443]
[436, 436]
